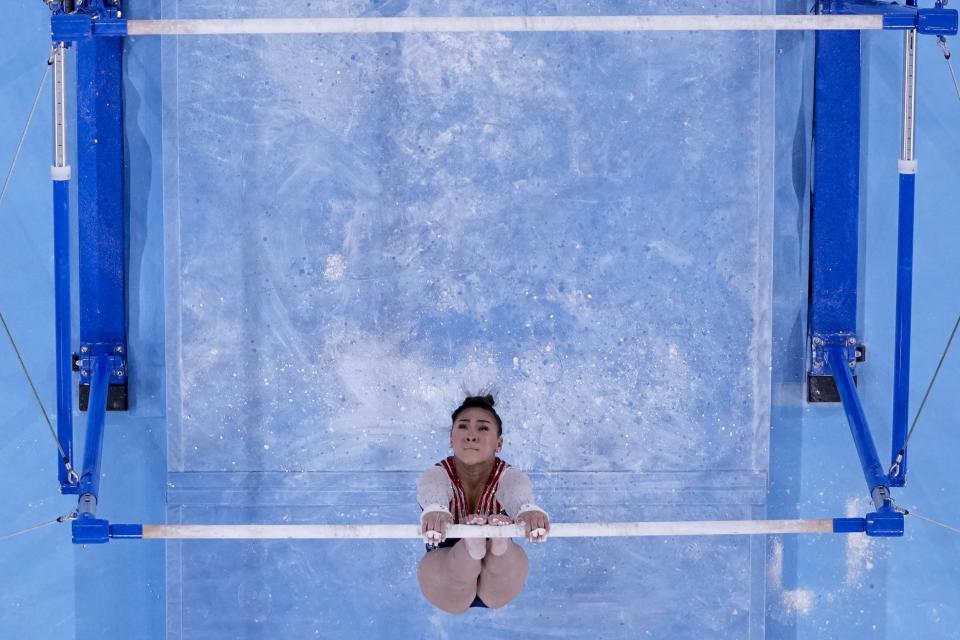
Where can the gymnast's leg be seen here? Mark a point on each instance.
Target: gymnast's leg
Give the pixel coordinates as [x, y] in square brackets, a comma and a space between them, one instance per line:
[448, 577]
[503, 574]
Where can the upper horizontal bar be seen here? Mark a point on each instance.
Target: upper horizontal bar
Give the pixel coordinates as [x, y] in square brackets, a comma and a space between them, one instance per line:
[505, 24]
[559, 530]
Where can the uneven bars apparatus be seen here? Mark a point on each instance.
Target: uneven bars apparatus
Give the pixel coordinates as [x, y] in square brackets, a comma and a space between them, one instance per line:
[409, 531]
[98, 19]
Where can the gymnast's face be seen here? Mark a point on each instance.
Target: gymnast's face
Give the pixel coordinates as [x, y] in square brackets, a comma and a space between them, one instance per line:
[474, 436]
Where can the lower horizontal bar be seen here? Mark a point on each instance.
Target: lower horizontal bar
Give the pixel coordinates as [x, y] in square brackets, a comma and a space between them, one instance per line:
[504, 24]
[559, 530]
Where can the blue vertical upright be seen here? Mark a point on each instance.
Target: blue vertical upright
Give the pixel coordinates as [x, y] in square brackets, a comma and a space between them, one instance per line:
[101, 213]
[60, 173]
[836, 203]
[907, 168]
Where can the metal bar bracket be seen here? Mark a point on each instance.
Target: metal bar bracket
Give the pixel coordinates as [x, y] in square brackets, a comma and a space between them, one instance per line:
[885, 523]
[90, 530]
[80, 26]
[933, 21]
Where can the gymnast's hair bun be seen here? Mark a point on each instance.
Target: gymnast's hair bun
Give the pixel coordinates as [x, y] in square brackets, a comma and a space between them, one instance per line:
[486, 401]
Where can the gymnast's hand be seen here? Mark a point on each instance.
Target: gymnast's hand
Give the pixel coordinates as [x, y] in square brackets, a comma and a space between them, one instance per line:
[434, 526]
[536, 525]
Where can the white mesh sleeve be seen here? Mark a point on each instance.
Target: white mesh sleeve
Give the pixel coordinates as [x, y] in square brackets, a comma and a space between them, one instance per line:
[433, 490]
[515, 492]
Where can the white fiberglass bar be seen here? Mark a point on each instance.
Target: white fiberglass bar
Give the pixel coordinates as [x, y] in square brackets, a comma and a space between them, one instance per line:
[409, 531]
[503, 24]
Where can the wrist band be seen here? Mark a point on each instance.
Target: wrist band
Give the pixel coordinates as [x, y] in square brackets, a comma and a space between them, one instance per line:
[529, 506]
[434, 508]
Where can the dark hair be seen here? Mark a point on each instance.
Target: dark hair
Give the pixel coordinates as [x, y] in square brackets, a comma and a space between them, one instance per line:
[480, 402]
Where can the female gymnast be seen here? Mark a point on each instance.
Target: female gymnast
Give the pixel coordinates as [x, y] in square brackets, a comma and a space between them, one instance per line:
[474, 486]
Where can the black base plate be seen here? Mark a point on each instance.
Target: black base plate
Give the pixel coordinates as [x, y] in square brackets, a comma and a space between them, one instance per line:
[116, 397]
[823, 389]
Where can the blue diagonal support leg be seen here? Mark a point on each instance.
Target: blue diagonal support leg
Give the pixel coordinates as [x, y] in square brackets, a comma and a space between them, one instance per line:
[87, 528]
[886, 520]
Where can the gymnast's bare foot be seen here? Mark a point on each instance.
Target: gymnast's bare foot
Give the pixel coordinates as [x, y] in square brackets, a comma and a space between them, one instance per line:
[498, 546]
[476, 547]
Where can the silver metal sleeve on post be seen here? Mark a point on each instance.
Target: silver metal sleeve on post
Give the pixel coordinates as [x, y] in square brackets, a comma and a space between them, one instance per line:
[61, 168]
[87, 505]
[909, 94]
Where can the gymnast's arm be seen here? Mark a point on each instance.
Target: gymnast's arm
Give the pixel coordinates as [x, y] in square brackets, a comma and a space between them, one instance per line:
[515, 493]
[434, 494]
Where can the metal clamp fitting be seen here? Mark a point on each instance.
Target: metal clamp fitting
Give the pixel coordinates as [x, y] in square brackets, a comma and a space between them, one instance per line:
[116, 361]
[821, 342]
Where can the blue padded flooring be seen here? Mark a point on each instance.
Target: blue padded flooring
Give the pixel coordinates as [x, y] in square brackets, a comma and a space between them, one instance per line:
[361, 228]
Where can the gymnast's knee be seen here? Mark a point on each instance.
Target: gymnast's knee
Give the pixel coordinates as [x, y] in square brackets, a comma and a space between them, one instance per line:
[442, 592]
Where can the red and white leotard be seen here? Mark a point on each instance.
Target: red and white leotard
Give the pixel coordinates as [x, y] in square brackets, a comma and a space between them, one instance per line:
[508, 490]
